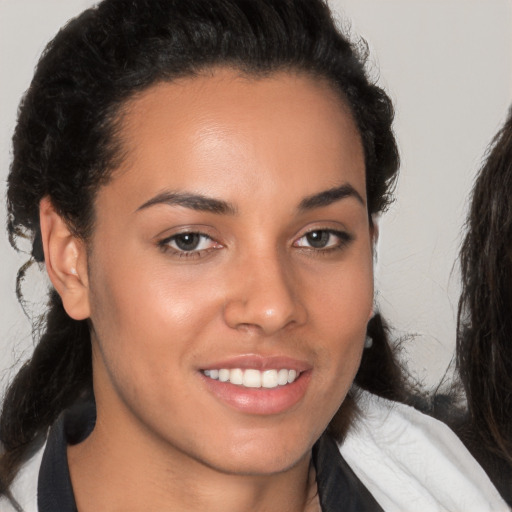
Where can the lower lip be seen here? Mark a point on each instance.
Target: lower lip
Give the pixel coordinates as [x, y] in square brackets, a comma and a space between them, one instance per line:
[262, 401]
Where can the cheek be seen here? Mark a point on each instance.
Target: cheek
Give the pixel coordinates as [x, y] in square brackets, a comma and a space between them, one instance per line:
[340, 310]
[139, 294]
[341, 318]
[137, 310]
[147, 325]
[343, 300]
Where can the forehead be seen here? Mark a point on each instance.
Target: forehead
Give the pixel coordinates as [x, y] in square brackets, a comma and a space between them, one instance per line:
[210, 132]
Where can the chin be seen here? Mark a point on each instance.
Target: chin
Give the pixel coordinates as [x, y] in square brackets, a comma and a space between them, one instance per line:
[261, 455]
[265, 465]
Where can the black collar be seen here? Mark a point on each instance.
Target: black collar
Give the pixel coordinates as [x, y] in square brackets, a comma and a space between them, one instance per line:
[54, 489]
[338, 486]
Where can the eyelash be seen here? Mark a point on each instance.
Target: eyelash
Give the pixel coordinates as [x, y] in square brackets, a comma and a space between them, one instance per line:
[165, 245]
[343, 237]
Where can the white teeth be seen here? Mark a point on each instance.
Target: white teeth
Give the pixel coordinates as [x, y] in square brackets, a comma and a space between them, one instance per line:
[252, 378]
[269, 379]
[282, 377]
[223, 375]
[236, 376]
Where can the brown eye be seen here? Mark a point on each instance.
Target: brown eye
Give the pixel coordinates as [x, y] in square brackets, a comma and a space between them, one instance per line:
[318, 239]
[323, 240]
[187, 241]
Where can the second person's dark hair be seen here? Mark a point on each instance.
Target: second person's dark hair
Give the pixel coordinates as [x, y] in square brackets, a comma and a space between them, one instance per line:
[484, 341]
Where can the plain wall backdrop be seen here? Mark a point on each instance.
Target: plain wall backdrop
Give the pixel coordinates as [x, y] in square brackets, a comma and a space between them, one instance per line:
[447, 64]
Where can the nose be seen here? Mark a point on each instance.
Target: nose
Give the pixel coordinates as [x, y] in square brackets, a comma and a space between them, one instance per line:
[264, 296]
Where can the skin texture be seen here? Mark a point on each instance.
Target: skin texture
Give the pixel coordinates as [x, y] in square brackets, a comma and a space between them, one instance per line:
[255, 289]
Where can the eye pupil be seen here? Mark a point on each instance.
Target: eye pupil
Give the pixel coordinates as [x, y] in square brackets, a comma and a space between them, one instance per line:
[318, 239]
[187, 241]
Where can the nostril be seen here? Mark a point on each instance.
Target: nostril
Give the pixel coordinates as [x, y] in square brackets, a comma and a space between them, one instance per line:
[248, 316]
[263, 297]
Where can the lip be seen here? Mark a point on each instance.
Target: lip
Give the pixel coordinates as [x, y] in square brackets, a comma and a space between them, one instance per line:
[259, 401]
[259, 362]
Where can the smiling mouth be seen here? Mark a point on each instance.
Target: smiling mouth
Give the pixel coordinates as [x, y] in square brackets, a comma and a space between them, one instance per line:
[252, 378]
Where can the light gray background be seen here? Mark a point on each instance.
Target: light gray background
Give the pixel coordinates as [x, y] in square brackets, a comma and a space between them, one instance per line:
[447, 64]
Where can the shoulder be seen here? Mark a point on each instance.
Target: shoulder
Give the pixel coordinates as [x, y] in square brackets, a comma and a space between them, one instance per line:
[24, 486]
[410, 461]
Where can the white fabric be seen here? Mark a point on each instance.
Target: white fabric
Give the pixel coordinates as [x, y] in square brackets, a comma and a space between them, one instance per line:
[408, 461]
[413, 463]
[24, 487]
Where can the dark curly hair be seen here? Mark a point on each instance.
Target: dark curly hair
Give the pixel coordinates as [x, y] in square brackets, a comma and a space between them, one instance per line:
[65, 144]
[484, 350]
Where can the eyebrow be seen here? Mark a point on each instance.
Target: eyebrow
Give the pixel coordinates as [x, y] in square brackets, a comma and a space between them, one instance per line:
[327, 197]
[193, 201]
[203, 203]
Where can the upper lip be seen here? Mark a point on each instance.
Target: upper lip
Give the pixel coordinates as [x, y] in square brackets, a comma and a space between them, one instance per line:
[259, 362]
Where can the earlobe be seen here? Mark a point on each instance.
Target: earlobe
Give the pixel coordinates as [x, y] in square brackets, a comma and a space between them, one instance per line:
[374, 234]
[374, 229]
[66, 261]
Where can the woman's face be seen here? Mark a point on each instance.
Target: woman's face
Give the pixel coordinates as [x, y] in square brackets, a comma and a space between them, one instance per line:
[233, 243]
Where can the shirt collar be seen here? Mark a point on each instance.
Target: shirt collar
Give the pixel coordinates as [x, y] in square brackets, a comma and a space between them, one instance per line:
[54, 489]
[339, 488]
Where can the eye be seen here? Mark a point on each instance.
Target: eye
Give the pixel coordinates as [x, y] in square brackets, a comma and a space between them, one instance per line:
[189, 244]
[323, 239]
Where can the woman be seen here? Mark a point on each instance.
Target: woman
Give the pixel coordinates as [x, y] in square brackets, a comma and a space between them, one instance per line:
[199, 179]
[485, 325]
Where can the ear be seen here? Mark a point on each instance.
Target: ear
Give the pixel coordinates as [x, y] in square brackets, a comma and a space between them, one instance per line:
[374, 233]
[65, 256]
[374, 230]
